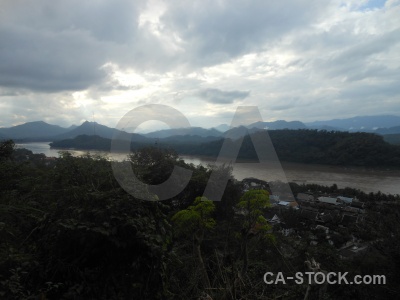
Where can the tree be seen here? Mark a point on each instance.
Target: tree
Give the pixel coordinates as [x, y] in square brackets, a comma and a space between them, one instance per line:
[153, 165]
[253, 204]
[195, 221]
[69, 231]
[6, 149]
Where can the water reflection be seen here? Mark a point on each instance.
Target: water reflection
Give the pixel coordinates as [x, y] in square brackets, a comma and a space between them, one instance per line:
[367, 180]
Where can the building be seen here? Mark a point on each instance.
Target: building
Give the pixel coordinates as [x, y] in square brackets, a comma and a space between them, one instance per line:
[328, 200]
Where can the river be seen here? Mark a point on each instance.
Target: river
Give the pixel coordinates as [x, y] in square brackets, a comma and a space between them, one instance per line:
[365, 179]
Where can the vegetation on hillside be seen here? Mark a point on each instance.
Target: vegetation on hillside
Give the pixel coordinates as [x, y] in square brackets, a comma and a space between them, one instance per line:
[301, 146]
[392, 138]
[69, 231]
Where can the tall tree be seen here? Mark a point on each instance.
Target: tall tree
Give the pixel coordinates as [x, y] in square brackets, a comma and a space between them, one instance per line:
[6, 149]
[253, 205]
[195, 221]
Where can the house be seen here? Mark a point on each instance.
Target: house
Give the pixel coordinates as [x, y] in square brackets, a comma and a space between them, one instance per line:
[292, 204]
[254, 183]
[346, 200]
[284, 203]
[272, 218]
[274, 197]
[353, 250]
[328, 200]
[354, 210]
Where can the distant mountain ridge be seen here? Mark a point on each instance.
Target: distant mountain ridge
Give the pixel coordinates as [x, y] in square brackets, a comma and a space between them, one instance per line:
[280, 124]
[391, 130]
[33, 130]
[39, 130]
[199, 131]
[92, 128]
[238, 132]
[360, 123]
[222, 127]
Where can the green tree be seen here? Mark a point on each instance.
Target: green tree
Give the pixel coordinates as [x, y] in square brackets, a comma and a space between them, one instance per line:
[195, 221]
[253, 205]
[6, 149]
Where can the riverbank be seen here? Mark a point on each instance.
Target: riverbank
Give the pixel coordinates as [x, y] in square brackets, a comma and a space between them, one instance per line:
[365, 179]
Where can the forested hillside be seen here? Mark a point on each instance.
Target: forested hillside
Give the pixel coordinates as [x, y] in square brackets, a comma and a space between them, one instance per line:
[312, 146]
[68, 231]
[302, 146]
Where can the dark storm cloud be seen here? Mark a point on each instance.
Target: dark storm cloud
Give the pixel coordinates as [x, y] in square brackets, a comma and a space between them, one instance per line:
[49, 62]
[222, 97]
[214, 32]
[292, 55]
[57, 46]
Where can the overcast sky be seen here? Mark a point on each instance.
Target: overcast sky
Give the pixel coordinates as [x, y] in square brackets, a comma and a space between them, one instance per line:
[64, 61]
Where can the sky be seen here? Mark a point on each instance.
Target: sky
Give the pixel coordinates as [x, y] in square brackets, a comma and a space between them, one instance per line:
[64, 62]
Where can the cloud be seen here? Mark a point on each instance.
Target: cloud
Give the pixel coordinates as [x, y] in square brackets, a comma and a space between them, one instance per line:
[43, 61]
[222, 97]
[214, 32]
[301, 60]
[50, 47]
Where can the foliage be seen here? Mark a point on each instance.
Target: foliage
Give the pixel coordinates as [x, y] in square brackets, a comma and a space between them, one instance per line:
[253, 204]
[197, 217]
[68, 231]
[302, 146]
[6, 149]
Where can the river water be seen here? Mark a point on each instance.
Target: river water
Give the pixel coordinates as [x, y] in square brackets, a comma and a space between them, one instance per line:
[365, 179]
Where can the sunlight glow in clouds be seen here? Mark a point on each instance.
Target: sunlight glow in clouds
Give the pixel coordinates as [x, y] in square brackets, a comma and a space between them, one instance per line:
[296, 60]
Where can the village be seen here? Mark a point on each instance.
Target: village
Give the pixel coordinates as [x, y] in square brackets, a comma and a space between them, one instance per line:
[317, 218]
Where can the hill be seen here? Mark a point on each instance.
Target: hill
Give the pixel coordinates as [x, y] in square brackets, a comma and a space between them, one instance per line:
[222, 127]
[390, 130]
[95, 142]
[238, 132]
[83, 142]
[93, 128]
[360, 123]
[197, 131]
[87, 142]
[33, 130]
[392, 138]
[314, 147]
[280, 124]
[302, 146]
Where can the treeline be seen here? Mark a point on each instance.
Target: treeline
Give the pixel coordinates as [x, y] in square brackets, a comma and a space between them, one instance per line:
[392, 138]
[84, 142]
[69, 231]
[314, 147]
[302, 146]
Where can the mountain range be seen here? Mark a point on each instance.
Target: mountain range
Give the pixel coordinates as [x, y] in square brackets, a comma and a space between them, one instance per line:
[359, 124]
[42, 131]
[37, 129]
